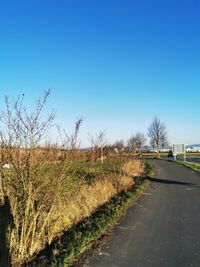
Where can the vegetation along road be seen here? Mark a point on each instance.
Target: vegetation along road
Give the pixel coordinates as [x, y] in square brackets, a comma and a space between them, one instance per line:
[162, 228]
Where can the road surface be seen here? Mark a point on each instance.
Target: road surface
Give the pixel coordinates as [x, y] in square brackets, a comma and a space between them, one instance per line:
[163, 228]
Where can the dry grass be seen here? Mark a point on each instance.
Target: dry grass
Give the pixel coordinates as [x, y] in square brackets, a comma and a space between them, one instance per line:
[88, 197]
[134, 168]
[43, 210]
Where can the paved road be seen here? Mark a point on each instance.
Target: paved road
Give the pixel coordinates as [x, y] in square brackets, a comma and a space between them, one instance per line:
[163, 228]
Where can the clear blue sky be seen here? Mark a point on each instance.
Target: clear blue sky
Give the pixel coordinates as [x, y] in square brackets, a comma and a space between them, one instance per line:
[117, 63]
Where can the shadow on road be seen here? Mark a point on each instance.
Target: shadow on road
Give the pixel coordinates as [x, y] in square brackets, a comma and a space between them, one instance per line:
[164, 181]
[6, 220]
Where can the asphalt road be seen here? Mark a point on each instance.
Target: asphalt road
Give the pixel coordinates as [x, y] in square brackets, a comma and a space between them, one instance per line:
[163, 228]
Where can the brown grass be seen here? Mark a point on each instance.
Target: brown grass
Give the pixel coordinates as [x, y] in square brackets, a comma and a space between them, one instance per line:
[134, 168]
[60, 207]
[90, 197]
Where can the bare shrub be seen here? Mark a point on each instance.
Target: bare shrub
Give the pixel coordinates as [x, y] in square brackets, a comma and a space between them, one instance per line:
[33, 183]
[98, 144]
[40, 182]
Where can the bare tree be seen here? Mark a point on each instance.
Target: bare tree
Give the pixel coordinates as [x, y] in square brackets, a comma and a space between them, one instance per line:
[136, 142]
[98, 143]
[22, 132]
[74, 137]
[140, 141]
[69, 144]
[119, 145]
[164, 142]
[21, 135]
[35, 168]
[152, 144]
[157, 133]
[132, 143]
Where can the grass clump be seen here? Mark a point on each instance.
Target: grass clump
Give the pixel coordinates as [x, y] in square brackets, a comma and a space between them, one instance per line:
[85, 234]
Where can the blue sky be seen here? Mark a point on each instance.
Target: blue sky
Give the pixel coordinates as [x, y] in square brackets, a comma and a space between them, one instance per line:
[115, 63]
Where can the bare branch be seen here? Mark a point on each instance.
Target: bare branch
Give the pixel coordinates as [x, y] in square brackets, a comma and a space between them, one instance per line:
[157, 133]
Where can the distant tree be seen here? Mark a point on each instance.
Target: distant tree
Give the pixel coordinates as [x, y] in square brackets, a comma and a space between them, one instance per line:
[98, 143]
[164, 142]
[135, 142]
[140, 141]
[157, 133]
[132, 143]
[102, 143]
[69, 144]
[152, 144]
[119, 144]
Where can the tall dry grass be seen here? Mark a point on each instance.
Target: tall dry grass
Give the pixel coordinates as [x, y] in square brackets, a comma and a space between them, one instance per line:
[48, 205]
[86, 198]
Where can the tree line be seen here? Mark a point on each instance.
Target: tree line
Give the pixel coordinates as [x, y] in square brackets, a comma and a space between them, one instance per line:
[156, 132]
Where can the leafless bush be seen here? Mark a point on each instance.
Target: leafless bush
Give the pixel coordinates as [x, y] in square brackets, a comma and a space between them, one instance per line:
[98, 144]
[35, 175]
[69, 144]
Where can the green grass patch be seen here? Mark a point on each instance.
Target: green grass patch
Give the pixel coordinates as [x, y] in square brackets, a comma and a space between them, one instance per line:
[90, 171]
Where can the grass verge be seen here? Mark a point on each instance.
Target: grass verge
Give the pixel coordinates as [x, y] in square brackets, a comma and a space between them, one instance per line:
[190, 165]
[193, 166]
[69, 248]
